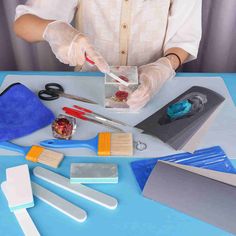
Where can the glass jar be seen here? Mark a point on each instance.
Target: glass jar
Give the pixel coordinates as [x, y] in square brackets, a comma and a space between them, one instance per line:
[63, 127]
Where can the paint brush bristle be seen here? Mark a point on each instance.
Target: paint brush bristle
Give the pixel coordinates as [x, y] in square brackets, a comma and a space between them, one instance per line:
[115, 144]
[121, 144]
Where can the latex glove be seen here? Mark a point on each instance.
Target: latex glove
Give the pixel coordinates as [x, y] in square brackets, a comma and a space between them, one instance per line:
[70, 46]
[151, 78]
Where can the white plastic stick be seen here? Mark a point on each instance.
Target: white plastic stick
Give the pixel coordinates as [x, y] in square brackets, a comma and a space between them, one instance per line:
[59, 203]
[78, 189]
[26, 223]
[118, 79]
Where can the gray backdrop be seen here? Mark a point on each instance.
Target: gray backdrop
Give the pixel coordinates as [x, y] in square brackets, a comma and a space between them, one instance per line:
[217, 51]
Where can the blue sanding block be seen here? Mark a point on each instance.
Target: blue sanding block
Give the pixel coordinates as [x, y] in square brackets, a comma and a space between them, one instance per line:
[93, 173]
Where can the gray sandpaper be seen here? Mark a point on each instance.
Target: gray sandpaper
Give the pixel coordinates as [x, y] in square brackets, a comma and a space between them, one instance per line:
[198, 129]
[172, 130]
[205, 198]
[193, 143]
[181, 138]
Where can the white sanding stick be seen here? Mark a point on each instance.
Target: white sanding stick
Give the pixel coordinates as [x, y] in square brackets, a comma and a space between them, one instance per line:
[59, 203]
[78, 189]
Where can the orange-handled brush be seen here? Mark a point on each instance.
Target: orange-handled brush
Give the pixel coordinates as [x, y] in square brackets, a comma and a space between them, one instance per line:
[36, 154]
[104, 144]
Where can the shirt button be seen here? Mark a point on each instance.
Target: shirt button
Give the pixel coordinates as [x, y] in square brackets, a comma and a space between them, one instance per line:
[124, 26]
[123, 52]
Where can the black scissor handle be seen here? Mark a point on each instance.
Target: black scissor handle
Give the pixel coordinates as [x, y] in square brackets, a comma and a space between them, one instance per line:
[48, 95]
[54, 87]
[52, 92]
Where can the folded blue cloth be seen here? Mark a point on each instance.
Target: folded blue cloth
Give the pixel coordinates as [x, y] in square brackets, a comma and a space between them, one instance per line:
[21, 112]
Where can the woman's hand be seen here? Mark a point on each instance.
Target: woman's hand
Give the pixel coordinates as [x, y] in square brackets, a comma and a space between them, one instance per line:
[70, 46]
[151, 77]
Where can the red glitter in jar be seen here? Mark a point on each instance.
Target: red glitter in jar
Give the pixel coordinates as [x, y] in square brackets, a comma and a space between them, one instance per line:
[121, 95]
[63, 127]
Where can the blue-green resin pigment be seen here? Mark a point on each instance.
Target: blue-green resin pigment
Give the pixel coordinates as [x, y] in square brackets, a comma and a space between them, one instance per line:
[179, 109]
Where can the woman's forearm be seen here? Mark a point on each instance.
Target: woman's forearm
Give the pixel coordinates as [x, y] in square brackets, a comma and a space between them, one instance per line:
[183, 55]
[30, 27]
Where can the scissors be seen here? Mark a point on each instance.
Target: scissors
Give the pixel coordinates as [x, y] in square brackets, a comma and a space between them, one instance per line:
[53, 91]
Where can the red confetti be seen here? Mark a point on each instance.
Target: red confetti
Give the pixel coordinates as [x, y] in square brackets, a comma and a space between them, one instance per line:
[63, 127]
[121, 95]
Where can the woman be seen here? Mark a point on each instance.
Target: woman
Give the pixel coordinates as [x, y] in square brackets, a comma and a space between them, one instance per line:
[156, 35]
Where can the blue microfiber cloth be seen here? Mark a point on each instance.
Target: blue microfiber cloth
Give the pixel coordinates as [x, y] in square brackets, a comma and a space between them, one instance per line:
[21, 112]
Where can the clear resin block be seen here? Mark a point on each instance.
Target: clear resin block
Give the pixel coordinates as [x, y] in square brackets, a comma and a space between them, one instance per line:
[116, 94]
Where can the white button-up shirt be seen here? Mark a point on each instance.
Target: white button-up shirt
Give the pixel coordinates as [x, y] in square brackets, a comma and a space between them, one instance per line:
[128, 32]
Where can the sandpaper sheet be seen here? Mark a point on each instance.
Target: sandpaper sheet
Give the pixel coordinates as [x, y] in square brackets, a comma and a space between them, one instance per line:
[190, 145]
[213, 158]
[176, 133]
[204, 194]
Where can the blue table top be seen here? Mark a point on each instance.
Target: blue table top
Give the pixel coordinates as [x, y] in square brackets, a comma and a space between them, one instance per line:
[135, 214]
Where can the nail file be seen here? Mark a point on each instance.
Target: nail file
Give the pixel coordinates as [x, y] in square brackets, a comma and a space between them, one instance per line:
[93, 173]
[59, 203]
[18, 192]
[78, 189]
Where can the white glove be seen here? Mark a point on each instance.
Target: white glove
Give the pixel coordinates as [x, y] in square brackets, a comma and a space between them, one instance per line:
[70, 46]
[151, 77]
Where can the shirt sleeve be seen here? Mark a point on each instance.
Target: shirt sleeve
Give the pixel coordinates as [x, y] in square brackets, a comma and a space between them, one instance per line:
[49, 9]
[184, 28]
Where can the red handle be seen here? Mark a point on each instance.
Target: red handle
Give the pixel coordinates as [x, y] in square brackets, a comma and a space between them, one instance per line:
[77, 114]
[82, 109]
[89, 60]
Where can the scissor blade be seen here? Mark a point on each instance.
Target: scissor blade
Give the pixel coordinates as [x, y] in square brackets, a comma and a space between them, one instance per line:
[77, 98]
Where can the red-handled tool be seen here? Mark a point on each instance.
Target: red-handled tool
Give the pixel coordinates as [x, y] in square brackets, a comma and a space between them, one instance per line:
[83, 116]
[83, 109]
[75, 113]
[115, 77]
[89, 60]
[98, 116]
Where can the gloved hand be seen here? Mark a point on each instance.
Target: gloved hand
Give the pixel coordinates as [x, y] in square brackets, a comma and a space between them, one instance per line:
[151, 77]
[70, 46]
